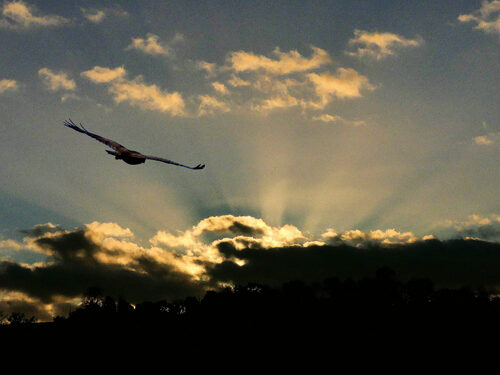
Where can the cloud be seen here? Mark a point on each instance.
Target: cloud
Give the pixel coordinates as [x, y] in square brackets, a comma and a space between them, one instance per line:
[100, 74]
[450, 263]
[277, 102]
[101, 254]
[486, 18]
[69, 96]
[489, 139]
[209, 68]
[10, 244]
[236, 81]
[18, 15]
[20, 303]
[284, 80]
[93, 15]
[476, 226]
[145, 96]
[284, 63]
[136, 92]
[327, 118]
[220, 88]
[210, 105]
[345, 83]
[227, 249]
[263, 85]
[40, 229]
[378, 237]
[151, 45]
[56, 81]
[8, 85]
[379, 45]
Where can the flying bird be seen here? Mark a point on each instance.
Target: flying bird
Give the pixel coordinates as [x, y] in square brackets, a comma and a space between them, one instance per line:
[121, 152]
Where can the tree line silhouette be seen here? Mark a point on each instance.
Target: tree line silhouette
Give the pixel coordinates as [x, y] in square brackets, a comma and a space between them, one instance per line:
[381, 302]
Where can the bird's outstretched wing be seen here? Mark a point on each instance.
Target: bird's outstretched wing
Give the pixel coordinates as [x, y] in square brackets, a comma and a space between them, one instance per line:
[108, 142]
[199, 166]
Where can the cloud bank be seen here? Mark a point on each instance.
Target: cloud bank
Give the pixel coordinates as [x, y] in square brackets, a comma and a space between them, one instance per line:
[222, 250]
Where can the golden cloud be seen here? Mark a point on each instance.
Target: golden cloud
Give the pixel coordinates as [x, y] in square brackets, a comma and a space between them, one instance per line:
[136, 92]
[56, 81]
[210, 105]
[345, 83]
[99, 74]
[18, 15]
[285, 62]
[486, 18]
[8, 84]
[379, 45]
[150, 45]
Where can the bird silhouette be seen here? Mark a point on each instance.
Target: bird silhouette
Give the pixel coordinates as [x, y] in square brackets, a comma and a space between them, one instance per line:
[121, 152]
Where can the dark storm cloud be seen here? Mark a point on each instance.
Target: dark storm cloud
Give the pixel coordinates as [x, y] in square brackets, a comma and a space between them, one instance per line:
[70, 247]
[243, 229]
[72, 279]
[77, 265]
[447, 263]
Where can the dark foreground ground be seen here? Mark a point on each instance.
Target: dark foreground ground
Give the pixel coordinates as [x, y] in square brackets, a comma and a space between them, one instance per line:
[379, 313]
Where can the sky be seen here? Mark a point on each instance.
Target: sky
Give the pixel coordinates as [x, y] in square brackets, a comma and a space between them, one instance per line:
[322, 124]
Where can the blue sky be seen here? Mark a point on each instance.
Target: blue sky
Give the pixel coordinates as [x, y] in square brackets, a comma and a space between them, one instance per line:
[316, 117]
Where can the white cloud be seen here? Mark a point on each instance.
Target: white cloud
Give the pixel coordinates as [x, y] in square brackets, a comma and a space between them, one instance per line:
[284, 63]
[19, 15]
[486, 18]
[378, 45]
[8, 84]
[56, 81]
[136, 92]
